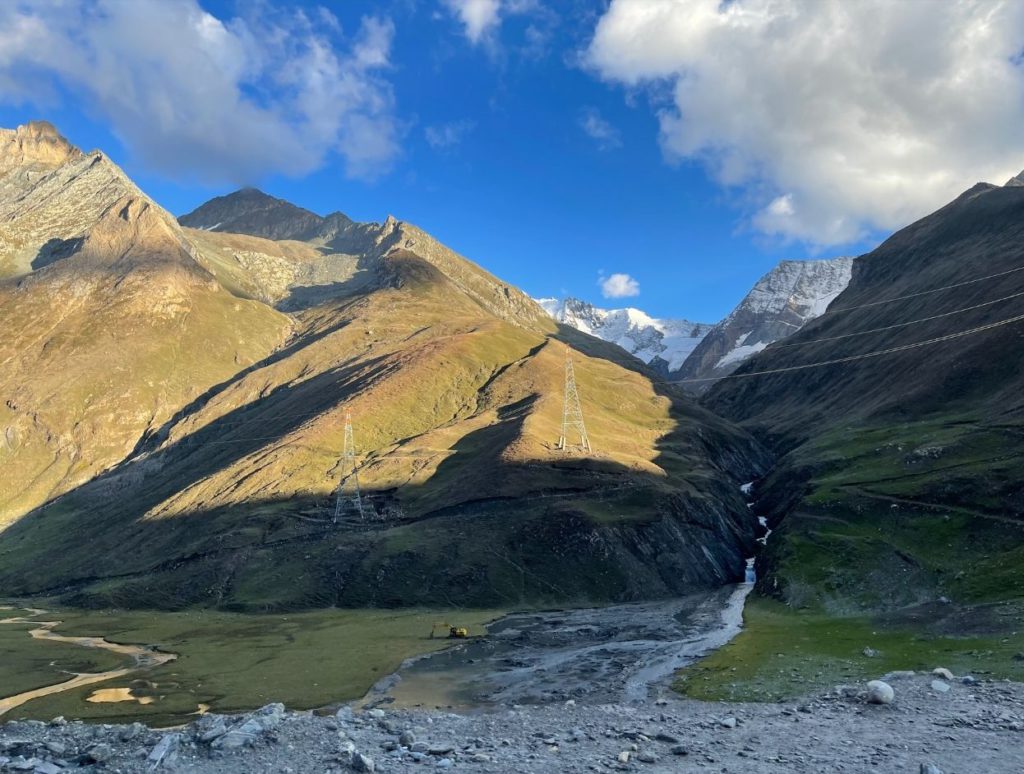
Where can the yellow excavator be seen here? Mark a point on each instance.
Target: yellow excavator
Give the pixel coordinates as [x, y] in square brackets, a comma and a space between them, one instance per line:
[454, 632]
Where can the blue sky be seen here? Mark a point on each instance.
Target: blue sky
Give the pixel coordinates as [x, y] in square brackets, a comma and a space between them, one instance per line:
[537, 142]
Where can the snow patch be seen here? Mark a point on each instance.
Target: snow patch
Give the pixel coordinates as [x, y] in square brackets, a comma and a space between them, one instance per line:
[739, 354]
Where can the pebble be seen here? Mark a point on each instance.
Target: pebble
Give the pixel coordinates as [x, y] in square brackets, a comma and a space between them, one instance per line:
[940, 686]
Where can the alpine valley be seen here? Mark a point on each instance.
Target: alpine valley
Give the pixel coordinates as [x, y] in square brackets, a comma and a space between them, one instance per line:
[266, 454]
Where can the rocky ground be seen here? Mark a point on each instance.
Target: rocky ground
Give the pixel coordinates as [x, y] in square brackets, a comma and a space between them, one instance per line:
[933, 723]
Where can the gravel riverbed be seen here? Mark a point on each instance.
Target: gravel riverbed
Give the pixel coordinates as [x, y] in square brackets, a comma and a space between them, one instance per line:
[934, 724]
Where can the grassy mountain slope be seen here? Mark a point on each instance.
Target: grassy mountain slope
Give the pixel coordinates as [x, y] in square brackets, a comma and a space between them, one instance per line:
[898, 481]
[455, 383]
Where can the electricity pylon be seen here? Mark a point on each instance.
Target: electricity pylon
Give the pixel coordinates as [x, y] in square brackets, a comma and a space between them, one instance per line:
[352, 498]
[572, 413]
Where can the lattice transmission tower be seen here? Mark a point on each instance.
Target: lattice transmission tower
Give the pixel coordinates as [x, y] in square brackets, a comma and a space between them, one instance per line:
[572, 412]
[349, 498]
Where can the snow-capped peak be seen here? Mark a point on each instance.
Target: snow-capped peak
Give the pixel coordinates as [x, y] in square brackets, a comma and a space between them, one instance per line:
[646, 337]
[782, 302]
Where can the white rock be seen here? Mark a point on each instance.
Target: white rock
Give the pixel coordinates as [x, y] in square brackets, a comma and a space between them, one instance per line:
[164, 751]
[362, 762]
[944, 673]
[940, 686]
[880, 692]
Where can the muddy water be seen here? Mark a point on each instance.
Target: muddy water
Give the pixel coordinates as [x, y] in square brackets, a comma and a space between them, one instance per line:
[143, 658]
[617, 653]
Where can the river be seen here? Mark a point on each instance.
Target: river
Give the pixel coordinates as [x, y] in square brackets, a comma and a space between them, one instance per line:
[142, 658]
[616, 653]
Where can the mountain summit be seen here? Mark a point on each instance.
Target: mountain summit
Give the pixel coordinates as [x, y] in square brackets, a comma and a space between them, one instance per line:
[781, 303]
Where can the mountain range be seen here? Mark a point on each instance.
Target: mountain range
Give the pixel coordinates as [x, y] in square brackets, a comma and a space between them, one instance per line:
[698, 354]
[175, 396]
[662, 344]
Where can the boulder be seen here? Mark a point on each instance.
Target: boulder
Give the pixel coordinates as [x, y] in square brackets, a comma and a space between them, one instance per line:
[165, 750]
[880, 692]
[99, 753]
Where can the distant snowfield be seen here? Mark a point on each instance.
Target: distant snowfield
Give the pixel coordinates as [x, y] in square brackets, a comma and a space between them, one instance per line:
[643, 336]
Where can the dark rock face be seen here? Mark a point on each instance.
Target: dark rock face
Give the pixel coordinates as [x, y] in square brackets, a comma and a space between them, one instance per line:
[253, 212]
[250, 211]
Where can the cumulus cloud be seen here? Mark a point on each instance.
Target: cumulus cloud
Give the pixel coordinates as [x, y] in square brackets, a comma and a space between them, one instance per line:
[220, 100]
[479, 17]
[445, 136]
[831, 118]
[599, 130]
[619, 286]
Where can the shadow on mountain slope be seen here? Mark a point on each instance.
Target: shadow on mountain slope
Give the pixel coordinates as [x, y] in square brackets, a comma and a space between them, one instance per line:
[480, 531]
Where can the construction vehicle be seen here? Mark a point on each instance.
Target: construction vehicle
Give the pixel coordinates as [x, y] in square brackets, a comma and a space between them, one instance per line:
[454, 632]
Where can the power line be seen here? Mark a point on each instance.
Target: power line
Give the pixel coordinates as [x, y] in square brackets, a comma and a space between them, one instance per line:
[900, 325]
[864, 356]
[921, 293]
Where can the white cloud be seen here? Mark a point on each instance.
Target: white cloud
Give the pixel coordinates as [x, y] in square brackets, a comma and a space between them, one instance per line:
[478, 17]
[481, 20]
[832, 118]
[619, 286]
[598, 129]
[444, 136]
[221, 100]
